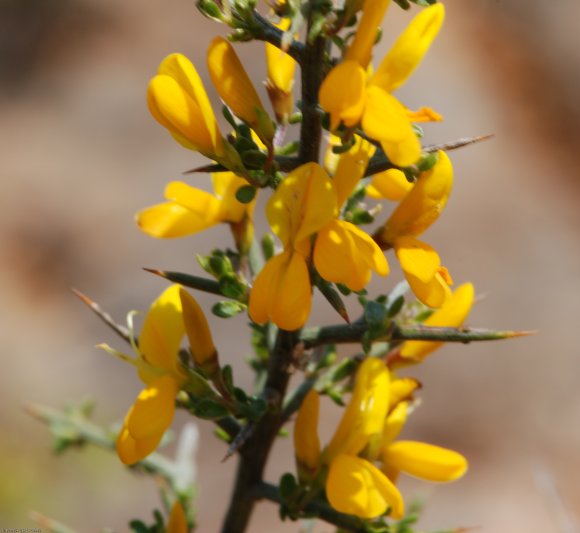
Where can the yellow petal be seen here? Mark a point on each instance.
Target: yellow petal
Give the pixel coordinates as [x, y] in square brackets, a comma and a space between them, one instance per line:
[282, 292]
[226, 185]
[175, 109]
[303, 203]
[424, 114]
[281, 66]
[154, 408]
[232, 82]
[201, 343]
[394, 424]
[417, 258]
[197, 201]
[306, 441]
[433, 293]
[402, 389]
[451, 314]
[162, 332]
[409, 49]
[422, 206]
[342, 94]
[390, 184]
[131, 450]
[426, 461]
[351, 168]
[169, 219]
[177, 522]
[345, 254]
[354, 486]
[178, 67]
[366, 411]
[366, 35]
[423, 271]
[385, 120]
[330, 162]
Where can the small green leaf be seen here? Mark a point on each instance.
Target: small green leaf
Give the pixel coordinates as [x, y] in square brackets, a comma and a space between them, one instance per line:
[137, 526]
[210, 410]
[228, 378]
[375, 313]
[395, 308]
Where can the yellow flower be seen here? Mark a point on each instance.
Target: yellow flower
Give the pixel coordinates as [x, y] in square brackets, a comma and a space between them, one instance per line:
[418, 459]
[421, 206]
[160, 369]
[303, 203]
[201, 343]
[190, 210]
[177, 522]
[354, 485]
[351, 97]
[421, 265]
[235, 88]
[280, 81]
[306, 441]
[372, 420]
[418, 209]
[391, 184]
[178, 101]
[452, 314]
[343, 253]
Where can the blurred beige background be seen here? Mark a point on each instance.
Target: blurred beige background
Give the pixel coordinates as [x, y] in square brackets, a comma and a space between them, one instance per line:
[79, 155]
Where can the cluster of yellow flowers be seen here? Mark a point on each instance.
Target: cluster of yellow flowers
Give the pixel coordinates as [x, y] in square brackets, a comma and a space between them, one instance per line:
[308, 213]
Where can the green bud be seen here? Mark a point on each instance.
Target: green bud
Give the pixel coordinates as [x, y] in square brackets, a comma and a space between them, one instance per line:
[228, 308]
[268, 246]
[428, 161]
[288, 486]
[254, 159]
[210, 9]
[245, 194]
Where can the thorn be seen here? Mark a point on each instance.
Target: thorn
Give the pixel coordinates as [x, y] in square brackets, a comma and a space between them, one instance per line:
[459, 143]
[122, 331]
[239, 440]
[205, 168]
[156, 272]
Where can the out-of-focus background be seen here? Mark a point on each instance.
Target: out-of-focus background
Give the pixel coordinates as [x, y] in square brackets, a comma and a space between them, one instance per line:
[79, 155]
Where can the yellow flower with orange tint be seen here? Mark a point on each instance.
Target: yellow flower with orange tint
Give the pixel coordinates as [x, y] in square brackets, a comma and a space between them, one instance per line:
[418, 209]
[391, 184]
[236, 89]
[201, 345]
[190, 210]
[306, 441]
[417, 459]
[354, 484]
[451, 314]
[177, 522]
[343, 253]
[280, 80]
[159, 367]
[350, 96]
[303, 204]
[177, 99]
[363, 459]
